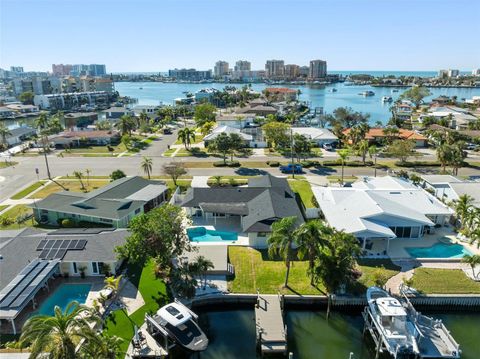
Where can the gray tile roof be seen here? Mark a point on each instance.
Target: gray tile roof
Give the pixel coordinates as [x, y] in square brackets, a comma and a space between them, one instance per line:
[265, 200]
[113, 201]
[21, 249]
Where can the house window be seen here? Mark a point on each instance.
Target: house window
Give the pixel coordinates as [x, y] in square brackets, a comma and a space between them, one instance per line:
[106, 220]
[262, 234]
[137, 211]
[415, 232]
[75, 270]
[219, 215]
[95, 267]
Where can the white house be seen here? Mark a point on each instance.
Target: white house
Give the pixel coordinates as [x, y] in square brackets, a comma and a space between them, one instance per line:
[381, 208]
[319, 135]
[449, 188]
[236, 120]
[227, 130]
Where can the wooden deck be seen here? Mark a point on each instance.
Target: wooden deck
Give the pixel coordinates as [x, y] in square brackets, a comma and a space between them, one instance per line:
[270, 326]
[150, 348]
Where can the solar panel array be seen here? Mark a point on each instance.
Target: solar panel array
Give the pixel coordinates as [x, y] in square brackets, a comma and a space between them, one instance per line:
[57, 248]
[24, 285]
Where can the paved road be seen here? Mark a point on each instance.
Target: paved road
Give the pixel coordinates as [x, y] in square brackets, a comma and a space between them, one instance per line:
[14, 178]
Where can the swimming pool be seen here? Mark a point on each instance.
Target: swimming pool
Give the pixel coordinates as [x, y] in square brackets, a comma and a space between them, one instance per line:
[63, 295]
[202, 234]
[439, 250]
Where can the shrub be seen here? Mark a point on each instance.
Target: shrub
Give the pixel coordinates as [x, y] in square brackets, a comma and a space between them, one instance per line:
[417, 164]
[273, 163]
[227, 164]
[6, 221]
[309, 163]
[67, 223]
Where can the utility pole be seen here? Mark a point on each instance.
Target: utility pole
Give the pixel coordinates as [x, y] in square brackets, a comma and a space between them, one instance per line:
[291, 152]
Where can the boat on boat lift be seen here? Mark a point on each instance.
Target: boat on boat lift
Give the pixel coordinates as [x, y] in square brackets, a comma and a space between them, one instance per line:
[387, 99]
[367, 93]
[181, 325]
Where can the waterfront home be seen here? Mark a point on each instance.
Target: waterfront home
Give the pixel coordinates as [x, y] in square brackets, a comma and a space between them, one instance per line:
[69, 139]
[113, 205]
[458, 118]
[281, 93]
[378, 136]
[33, 259]
[20, 134]
[441, 100]
[250, 210]
[150, 110]
[257, 110]
[80, 119]
[236, 120]
[23, 110]
[227, 130]
[403, 111]
[114, 113]
[381, 208]
[6, 112]
[449, 188]
[72, 100]
[320, 136]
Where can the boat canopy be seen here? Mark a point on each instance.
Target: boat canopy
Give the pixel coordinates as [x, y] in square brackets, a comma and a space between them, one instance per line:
[174, 314]
[390, 307]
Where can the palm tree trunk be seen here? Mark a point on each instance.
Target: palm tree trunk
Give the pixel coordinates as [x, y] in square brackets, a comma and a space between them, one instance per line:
[342, 172]
[287, 274]
[329, 301]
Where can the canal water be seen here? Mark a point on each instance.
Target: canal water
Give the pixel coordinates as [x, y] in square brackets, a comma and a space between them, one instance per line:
[155, 93]
[232, 334]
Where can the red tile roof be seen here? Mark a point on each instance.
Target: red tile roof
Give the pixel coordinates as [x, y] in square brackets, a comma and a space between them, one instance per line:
[378, 133]
[280, 90]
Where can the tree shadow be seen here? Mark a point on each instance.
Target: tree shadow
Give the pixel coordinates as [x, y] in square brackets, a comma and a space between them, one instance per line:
[323, 171]
[244, 171]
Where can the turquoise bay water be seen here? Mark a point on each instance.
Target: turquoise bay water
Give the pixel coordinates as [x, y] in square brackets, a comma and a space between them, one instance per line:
[155, 93]
[63, 295]
[439, 250]
[201, 234]
[232, 334]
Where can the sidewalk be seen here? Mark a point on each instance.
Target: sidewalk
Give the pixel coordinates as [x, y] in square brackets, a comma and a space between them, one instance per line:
[200, 181]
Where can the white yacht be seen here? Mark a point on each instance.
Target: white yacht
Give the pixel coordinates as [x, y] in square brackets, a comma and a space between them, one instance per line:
[180, 324]
[387, 99]
[367, 93]
[391, 322]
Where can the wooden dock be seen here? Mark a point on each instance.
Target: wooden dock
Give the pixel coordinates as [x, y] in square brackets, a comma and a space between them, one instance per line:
[270, 327]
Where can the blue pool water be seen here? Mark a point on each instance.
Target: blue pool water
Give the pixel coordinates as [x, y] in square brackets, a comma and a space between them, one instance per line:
[63, 295]
[201, 234]
[439, 250]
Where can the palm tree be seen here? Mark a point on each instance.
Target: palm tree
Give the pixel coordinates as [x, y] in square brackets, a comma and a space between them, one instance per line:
[310, 238]
[186, 135]
[147, 165]
[103, 346]
[373, 152]
[88, 171]
[126, 124]
[203, 265]
[363, 148]
[113, 283]
[463, 207]
[472, 260]
[4, 133]
[281, 240]
[79, 176]
[344, 154]
[59, 334]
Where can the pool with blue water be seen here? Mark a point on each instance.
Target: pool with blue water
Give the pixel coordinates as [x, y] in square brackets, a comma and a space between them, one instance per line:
[202, 234]
[439, 250]
[63, 295]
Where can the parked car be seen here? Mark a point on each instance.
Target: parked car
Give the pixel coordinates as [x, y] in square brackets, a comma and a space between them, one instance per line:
[328, 146]
[291, 169]
[471, 146]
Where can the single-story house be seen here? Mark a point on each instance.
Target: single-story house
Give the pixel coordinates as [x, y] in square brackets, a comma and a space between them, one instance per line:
[23, 109]
[6, 112]
[227, 130]
[258, 110]
[235, 120]
[441, 100]
[458, 117]
[320, 136]
[449, 188]
[254, 208]
[281, 93]
[377, 135]
[32, 258]
[20, 134]
[112, 205]
[114, 113]
[85, 138]
[150, 110]
[80, 119]
[381, 208]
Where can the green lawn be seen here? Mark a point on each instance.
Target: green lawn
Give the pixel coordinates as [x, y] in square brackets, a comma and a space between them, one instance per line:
[444, 281]
[23, 193]
[335, 178]
[4, 164]
[72, 185]
[169, 152]
[182, 152]
[304, 190]
[154, 293]
[97, 149]
[254, 270]
[14, 213]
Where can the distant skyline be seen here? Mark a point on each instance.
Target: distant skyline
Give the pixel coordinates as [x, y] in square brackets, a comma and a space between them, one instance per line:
[154, 36]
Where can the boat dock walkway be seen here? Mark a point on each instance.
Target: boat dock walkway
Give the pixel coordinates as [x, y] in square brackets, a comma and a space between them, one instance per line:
[270, 327]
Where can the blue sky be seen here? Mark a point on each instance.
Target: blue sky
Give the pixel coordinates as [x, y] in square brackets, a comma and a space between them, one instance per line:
[155, 35]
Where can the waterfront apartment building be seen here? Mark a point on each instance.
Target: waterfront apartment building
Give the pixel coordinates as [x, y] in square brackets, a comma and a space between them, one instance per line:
[318, 69]
[190, 74]
[221, 69]
[37, 85]
[88, 70]
[61, 69]
[243, 65]
[303, 71]
[476, 72]
[70, 101]
[448, 73]
[96, 84]
[16, 69]
[291, 71]
[275, 69]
